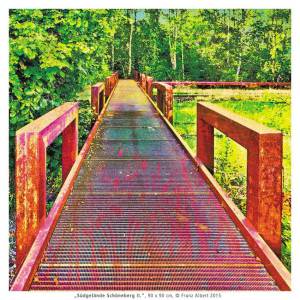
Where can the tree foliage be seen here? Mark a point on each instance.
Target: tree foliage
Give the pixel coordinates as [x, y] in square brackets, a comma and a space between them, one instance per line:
[54, 54]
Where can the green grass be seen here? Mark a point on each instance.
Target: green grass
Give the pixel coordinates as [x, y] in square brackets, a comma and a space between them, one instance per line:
[268, 107]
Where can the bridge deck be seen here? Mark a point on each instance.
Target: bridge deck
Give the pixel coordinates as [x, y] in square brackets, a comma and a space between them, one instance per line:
[141, 216]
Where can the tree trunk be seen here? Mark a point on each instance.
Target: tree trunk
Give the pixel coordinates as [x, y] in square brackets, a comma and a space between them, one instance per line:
[238, 70]
[113, 52]
[173, 41]
[129, 50]
[228, 36]
[182, 61]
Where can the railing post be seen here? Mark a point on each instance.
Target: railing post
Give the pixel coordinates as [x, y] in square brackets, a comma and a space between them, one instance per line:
[30, 190]
[149, 81]
[264, 165]
[169, 103]
[143, 81]
[69, 147]
[107, 87]
[97, 98]
[264, 193]
[164, 99]
[205, 143]
[160, 100]
[31, 143]
[135, 75]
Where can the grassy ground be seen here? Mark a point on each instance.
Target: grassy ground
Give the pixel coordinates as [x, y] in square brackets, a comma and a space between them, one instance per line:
[269, 107]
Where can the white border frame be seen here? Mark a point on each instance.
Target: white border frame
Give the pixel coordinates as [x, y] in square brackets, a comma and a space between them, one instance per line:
[192, 4]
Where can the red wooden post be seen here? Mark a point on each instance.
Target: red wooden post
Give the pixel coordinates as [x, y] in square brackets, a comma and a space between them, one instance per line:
[110, 83]
[97, 98]
[149, 81]
[159, 99]
[107, 87]
[69, 147]
[205, 143]
[164, 99]
[264, 193]
[143, 81]
[264, 165]
[169, 103]
[136, 75]
[31, 143]
[30, 190]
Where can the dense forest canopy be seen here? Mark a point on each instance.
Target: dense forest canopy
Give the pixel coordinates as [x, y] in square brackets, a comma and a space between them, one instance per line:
[54, 54]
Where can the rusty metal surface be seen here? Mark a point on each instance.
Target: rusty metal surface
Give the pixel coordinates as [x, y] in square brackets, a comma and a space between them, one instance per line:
[264, 165]
[164, 98]
[141, 217]
[31, 144]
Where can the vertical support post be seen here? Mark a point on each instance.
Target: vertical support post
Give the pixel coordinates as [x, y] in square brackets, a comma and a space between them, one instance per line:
[101, 101]
[69, 147]
[30, 190]
[107, 87]
[95, 100]
[149, 81]
[164, 99]
[264, 191]
[169, 103]
[159, 100]
[264, 165]
[205, 143]
[143, 81]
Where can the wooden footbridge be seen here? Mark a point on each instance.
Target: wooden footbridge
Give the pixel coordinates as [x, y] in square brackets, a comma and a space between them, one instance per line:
[137, 210]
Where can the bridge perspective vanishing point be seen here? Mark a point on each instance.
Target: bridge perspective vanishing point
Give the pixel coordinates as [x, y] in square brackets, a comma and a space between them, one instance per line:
[137, 210]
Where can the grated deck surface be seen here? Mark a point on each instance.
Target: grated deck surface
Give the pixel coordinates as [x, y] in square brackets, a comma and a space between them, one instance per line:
[141, 217]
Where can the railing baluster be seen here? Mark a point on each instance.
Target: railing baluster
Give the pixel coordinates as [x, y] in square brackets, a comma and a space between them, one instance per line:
[31, 144]
[97, 98]
[164, 99]
[264, 165]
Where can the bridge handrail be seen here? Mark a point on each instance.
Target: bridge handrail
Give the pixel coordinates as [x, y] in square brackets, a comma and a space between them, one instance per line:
[97, 97]
[164, 99]
[136, 75]
[142, 81]
[264, 165]
[110, 83]
[246, 84]
[31, 143]
[149, 81]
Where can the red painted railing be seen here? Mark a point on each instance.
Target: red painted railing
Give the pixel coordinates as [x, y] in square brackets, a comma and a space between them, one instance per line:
[110, 83]
[31, 144]
[149, 81]
[164, 99]
[135, 75]
[264, 165]
[97, 97]
[228, 84]
[142, 81]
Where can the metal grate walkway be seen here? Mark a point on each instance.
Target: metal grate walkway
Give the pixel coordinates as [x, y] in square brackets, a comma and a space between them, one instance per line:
[141, 217]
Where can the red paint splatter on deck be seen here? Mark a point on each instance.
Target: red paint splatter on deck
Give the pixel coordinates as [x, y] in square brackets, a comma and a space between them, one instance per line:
[144, 165]
[116, 182]
[120, 152]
